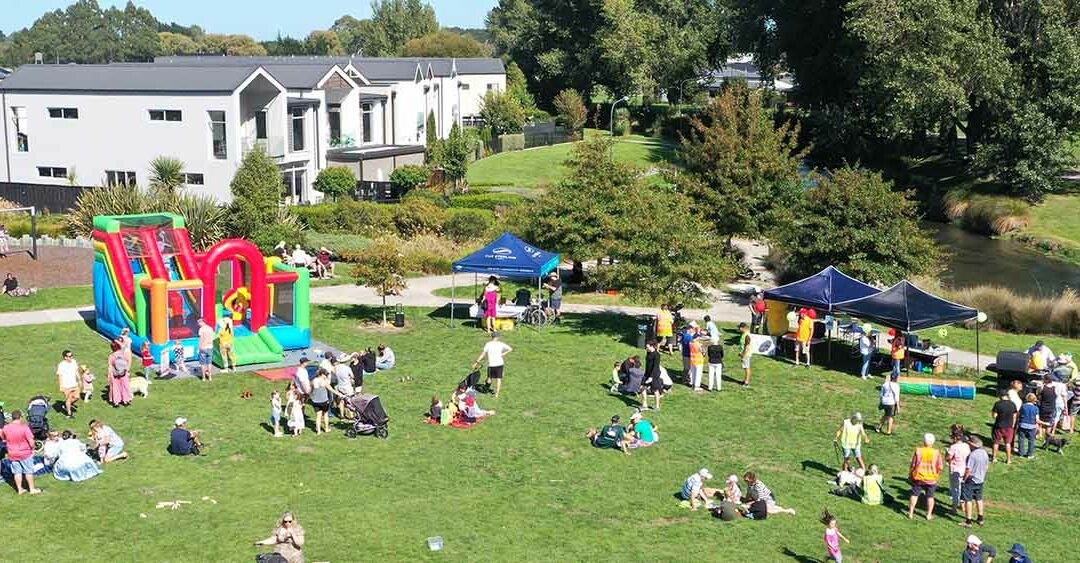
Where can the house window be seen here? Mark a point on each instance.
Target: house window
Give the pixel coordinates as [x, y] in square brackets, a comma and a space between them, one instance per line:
[64, 113]
[334, 116]
[194, 179]
[260, 124]
[119, 177]
[52, 172]
[367, 122]
[217, 134]
[166, 115]
[297, 130]
[22, 141]
[463, 86]
[491, 87]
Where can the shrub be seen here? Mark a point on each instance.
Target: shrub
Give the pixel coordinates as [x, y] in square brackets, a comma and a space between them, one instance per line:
[502, 112]
[317, 217]
[1023, 314]
[622, 122]
[18, 224]
[571, 109]
[255, 213]
[489, 201]
[468, 224]
[409, 176]
[995, 215]
[417, 216]
[512, 142]
[363, 217]
[347, 247]
[430, 196]
[205, 219]
[336, 181]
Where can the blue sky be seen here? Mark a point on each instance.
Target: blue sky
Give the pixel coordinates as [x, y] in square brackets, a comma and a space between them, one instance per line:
[262, 19]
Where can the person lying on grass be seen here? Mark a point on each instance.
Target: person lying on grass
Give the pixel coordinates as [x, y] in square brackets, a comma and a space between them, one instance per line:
[612, 436]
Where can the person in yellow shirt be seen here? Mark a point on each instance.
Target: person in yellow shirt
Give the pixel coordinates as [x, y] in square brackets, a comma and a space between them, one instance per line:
[898, 352]
[226, 343]
[851, 437]
[665, 329]
[803, 335]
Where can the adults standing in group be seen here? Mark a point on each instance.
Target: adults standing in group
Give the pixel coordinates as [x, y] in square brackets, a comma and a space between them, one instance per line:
[957, 456]
[926, 465]
[665, 328]
[321, 399]
[1028, 427]
[343, 383]
[491, 303]
[889, 403]
[119, 378]
[206, 349]
[744, 352]
[758, 308]
[555, 289]
[1047, 406]
[301, 378]
[697, 363]
[685, 338]
[19, 440]
[1005, 417]
[974, 478]
[495, 351]
[654, 383]
[851, 435]
[287, 539]
[866, 350]
[67, 374]
[977, 552]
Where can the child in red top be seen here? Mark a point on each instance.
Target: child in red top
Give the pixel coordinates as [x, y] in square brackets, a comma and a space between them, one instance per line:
[147, 359]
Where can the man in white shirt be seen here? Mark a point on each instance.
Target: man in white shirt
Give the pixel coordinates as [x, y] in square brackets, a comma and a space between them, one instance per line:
[301, 377]
[67, 373]
[300, 259]
[495, 350]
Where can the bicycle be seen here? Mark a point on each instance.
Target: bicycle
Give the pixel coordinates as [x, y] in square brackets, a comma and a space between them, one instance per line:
[537, 314]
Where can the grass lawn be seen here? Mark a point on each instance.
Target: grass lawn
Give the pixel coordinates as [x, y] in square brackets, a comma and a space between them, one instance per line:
[523, 485]
[1057, 219]
[535, 167]
[991, 341]
[49, 298]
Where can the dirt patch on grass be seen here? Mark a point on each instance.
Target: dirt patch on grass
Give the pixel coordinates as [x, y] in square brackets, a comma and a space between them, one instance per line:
[1027, 509]
[237, 457]
[668, 521]
[838, 389]
[305, 450]
[378, 327]
[56, 266]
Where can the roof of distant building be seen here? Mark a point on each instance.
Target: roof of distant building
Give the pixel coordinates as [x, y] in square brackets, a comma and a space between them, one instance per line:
[127, 78]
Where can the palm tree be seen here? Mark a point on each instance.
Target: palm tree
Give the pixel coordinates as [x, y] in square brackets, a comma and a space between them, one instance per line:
[166, 174]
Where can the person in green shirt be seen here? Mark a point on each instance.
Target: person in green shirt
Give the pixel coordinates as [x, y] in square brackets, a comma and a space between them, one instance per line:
[744, 354]
[643, 430]
[611, 436]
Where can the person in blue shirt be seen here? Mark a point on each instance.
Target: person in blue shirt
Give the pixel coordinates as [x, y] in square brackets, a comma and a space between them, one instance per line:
[685, 338]
[1028, 426]
[182, 441]
[1019, 554]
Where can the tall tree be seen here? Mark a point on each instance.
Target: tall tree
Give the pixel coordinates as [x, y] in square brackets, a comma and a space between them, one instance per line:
[176, 44]
[236, 45]
[284, 46]
[136, 30]
[321, 42]
[444, 43]
[351, 31]
[394, 23]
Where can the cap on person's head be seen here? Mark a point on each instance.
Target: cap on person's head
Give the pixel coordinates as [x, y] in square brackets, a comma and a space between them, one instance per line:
[929, 439]
[732, 478]
[856, 416]
[705, 473]
[742, 326]
[976, 442]
[974, 540]
[615, 418]
[636, 415]
[693, 324]
[1018, 550]
[344, 358]
[180, 421]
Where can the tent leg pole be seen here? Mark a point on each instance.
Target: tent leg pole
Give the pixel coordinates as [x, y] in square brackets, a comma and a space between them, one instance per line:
[453, 291]
[977, 362]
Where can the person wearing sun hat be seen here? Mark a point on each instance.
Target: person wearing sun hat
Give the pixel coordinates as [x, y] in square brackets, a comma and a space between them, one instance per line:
[1019, 554]
[977, 551]
[694, 489]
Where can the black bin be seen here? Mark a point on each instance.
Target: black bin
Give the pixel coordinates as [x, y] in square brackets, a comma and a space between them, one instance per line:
[399, 316]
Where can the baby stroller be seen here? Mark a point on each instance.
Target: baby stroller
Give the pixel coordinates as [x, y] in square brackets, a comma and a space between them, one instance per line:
[370, 416]
[37, 417]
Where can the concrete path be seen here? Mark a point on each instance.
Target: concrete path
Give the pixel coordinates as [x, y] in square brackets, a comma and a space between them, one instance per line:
[47, 316]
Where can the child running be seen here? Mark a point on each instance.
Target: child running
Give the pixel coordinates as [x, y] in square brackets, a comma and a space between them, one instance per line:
[275, 413]
[86, 377]
[832, 537]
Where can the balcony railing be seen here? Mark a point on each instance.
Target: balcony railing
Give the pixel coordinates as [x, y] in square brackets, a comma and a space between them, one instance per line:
[274, 145]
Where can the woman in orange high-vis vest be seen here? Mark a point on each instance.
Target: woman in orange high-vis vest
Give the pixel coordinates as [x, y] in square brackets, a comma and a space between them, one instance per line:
[697, 363]
[926, 467]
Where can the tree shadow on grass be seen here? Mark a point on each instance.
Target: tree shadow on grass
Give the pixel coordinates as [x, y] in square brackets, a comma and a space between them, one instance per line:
[605, 324]
[361, 313]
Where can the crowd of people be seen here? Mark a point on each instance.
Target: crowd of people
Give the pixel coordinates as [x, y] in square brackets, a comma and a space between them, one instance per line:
[320, 262]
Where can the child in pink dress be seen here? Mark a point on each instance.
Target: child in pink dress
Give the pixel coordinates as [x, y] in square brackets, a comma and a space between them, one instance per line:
[833, 537]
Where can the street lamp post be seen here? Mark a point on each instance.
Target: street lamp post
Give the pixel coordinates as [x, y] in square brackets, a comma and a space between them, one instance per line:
[611, 124]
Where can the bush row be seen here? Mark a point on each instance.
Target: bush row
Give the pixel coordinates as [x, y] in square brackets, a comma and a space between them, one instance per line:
[426, 254]
[415, 216]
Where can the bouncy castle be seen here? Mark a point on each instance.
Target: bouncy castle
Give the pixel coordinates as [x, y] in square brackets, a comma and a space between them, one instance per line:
[148, 278]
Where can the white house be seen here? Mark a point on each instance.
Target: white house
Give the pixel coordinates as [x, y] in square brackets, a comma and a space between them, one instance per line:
[104, 124]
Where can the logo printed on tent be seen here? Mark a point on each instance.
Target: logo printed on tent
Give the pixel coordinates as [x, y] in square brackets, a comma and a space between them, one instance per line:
[502, 250]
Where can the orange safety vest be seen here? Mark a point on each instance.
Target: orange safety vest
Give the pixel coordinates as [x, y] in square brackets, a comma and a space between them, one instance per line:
[696, 357]
[927, 465]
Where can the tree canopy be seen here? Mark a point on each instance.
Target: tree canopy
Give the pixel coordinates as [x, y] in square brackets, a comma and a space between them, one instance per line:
[445, 43]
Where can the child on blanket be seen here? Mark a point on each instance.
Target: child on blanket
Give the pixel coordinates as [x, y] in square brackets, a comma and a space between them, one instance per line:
[472, 411]
[435, 412]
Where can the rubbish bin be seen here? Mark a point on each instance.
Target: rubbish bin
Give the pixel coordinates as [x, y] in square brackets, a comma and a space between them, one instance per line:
[399, 316]
[642, 334]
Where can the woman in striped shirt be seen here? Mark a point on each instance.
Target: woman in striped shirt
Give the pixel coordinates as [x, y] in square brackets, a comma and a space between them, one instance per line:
[757, 491]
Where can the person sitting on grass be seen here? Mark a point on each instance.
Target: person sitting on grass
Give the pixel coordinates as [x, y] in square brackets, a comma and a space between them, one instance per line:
[72, 463]
[12, 288]
[183, 441]
[434, 413]
[324, 266]
[386, 359]
[287, 539]
[757, 491]
[611, 436]
[472, 412]
[643, 431]
[110, 446]
[872, 482]
[694, 489]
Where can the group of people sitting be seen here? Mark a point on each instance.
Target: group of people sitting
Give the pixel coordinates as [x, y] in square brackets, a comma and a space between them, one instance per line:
[640, 433]
[13, 289]
[758, 502]
[320, 263]
[460, 409]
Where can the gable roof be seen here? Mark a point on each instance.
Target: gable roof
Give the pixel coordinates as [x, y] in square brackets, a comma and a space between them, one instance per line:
[141, 77]
[375, 69]
[297, 76]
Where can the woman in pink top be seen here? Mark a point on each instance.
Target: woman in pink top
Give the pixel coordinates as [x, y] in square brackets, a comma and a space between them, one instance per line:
[957, 456]
[491, 302]
[119, 384]
[20, 451]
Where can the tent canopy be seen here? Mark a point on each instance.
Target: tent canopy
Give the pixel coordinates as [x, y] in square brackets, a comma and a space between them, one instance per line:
[511, 257]
[906, 307]
[822, 290]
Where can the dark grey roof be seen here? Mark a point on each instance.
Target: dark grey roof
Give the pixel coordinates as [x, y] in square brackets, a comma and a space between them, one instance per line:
[128, 78]
[298, 76]
[373, 68]
[302, 102]
[369, 152]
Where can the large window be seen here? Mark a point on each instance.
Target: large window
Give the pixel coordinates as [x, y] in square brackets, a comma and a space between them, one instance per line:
[166, 115]
[296, 132]
[260, 124]
[194, 179]
[334, 116]
[18, 117]
[119, 177]
[64, 113]
[367, 124]
[217, 134]
[52, 171]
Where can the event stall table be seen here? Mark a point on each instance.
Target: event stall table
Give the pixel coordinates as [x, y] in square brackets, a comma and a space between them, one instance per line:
[506, 256]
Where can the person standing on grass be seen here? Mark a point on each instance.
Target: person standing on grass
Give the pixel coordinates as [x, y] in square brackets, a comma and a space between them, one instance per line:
[803, 335]
[301, 378]
[957, 456]
[685, 338]
[758, 308]
[851, 436]
[926, 465]
[697, 364]
[977, 552]
[206, 348]
[866, 349]
[654, 383]
[67, 374]
[716, 363]
[495, 351]
[897, 351]
[491, 303]
[889, 404]
[125, 344]
[1028, 426]
[665, 328]
[20, 452]
[711, 330]
[1005, 417]
[227, 343]
[554, 285]
[974, 478]
[744, 353]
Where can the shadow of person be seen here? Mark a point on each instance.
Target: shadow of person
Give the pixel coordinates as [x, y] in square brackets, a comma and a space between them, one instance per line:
[787, 551]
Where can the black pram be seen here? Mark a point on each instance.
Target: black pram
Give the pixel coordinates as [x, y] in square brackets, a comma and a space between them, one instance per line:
[370, 416]
[37, 417]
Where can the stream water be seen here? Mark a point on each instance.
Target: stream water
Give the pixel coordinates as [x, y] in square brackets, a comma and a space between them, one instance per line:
[979, 260]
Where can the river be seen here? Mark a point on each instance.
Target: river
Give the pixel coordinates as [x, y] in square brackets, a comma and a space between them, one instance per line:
[980, 260]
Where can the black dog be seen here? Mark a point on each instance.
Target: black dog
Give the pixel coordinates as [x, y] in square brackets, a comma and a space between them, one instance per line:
[1055, 442]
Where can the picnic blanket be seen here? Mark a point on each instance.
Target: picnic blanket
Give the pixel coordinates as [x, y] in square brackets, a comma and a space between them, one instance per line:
[279, 374]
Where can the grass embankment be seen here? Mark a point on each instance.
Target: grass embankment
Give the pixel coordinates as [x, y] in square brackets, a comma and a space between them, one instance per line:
[520, 484]
[532, 168]
[49, 298]
[1055, 226]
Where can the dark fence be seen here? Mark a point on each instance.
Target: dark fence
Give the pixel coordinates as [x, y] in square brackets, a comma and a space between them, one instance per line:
[47, 198]
[379, 192]
[544, 134]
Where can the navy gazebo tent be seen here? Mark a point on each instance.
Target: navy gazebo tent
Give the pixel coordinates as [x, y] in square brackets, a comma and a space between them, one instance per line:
[506, 256]
[822, 290]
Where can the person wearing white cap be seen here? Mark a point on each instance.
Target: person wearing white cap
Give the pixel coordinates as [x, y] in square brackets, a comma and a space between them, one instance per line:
[694, 489]
[182, 441]
[977, 551]
[851, 437]
[732, 492]
[926, 466]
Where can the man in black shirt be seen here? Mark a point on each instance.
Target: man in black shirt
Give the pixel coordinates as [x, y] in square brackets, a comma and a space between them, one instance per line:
[182, 441]
[1005, 415]
[554, 285]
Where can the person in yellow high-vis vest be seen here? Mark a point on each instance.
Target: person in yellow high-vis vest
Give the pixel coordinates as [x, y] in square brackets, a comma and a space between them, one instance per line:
[926, 465]
[665, 329]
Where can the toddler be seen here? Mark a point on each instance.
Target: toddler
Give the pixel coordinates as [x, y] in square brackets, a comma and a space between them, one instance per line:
[832, 538]
[275, 413]
[87, 378]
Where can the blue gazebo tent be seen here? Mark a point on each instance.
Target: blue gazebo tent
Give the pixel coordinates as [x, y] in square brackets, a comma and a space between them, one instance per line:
[906, 307]
[506, 256]
[822, 290]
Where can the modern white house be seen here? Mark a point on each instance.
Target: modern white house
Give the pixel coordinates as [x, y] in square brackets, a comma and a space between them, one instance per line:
[104, 124]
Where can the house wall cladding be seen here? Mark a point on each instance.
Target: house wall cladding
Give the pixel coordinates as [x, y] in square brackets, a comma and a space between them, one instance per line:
[46, 198]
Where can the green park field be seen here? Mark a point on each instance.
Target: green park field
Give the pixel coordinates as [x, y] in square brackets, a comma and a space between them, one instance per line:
[524, 484]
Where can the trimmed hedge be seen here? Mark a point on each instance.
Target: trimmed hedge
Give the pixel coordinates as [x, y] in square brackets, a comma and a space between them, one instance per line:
[488, 201]
[512, 142]
[465, 224]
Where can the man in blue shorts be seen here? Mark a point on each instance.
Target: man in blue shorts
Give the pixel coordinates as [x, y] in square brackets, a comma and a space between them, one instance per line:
[206, 348]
